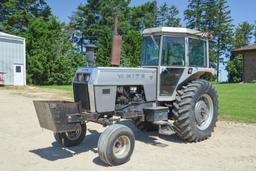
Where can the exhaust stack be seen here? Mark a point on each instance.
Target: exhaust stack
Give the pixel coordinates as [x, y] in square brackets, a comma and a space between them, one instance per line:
[116, 46]
[90, 58]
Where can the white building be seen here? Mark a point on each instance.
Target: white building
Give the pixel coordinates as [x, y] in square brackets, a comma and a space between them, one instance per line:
[12, 60]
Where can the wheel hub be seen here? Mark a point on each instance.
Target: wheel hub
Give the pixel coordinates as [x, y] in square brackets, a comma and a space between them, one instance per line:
[121, 146]
[201, 111]
[204, 112]
[73, 135]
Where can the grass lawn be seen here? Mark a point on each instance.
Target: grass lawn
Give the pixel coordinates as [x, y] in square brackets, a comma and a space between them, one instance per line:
[237, 102]
[67, 89]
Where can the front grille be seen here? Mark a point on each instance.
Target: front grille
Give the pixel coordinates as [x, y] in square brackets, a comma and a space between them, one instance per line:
[82, 77]
[81, 95]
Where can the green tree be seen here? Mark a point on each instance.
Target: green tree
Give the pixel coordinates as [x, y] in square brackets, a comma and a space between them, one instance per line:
[223, 32]
[167, 16]
[212, 16]
[193, 14]
[140, 17]
[254, 32]
[94, 21]
[51, 58]
[49, 53]
[234, 68]
[242, 36]
[16, 15]
[173, 20]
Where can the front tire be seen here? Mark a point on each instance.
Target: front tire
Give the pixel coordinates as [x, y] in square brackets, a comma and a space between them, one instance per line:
[116, 144]
[74, 138]
[195, 111]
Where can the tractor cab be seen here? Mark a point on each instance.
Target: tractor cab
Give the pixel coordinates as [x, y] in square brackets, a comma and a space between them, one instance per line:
[174, 52]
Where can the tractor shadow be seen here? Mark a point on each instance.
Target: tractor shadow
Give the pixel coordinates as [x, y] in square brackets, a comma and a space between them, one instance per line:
[57, 152]
[152, 138]
[149, 138]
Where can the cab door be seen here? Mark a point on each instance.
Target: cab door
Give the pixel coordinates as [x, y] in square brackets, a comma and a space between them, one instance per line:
[171, 66]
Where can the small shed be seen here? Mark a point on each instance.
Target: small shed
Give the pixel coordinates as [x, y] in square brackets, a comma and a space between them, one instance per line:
[249, 62]
[12, 60]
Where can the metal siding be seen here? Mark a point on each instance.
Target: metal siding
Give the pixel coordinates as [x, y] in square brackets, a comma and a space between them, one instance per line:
[11, 52]
[249, 70]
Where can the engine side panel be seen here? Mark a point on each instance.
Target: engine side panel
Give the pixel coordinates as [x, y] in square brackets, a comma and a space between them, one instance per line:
[105, 98]
[129, 76]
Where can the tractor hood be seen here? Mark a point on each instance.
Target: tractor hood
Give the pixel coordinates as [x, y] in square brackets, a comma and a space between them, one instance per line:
[116, 76]
[96, 80]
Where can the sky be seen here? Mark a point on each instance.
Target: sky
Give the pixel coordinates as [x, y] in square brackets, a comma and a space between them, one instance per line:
[241, 10]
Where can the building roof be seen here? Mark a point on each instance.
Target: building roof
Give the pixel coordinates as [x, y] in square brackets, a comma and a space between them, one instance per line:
[9, 36]
[174, 30]
[245, 48]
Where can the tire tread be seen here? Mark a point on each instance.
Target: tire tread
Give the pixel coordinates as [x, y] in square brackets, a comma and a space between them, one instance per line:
[181, 109]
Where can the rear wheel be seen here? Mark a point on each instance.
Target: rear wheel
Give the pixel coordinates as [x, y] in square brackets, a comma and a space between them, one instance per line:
[195, 111]
[73, 138]
[116, 144]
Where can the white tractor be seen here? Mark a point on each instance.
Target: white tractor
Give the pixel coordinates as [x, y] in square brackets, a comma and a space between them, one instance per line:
[167, 93]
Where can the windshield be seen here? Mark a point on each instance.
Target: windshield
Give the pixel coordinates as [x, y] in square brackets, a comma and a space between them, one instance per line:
[150, 50]
[173, 52]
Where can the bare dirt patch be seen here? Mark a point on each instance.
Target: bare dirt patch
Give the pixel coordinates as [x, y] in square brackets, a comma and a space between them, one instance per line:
[38, 93]
[25, 146]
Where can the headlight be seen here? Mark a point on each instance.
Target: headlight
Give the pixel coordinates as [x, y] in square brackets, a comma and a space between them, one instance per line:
[83, 77]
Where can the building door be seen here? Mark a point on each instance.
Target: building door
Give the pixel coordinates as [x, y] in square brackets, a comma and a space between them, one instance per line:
[18, 75]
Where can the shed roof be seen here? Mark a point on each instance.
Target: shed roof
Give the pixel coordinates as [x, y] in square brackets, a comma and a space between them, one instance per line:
[9, 36]
[173, 30]
[245, 48]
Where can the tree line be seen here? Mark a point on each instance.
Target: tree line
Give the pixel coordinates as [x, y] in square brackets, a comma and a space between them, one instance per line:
[55, 49]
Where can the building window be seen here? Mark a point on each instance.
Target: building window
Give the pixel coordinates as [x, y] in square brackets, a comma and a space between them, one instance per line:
[18, 69]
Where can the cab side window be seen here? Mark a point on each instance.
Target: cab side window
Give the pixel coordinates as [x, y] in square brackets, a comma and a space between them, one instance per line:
[173, 53]
[197, 52]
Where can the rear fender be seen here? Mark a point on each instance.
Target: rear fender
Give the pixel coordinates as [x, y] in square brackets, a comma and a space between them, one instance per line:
[200, 73]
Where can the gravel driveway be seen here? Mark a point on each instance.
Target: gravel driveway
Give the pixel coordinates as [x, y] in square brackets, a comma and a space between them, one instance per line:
[26, 146]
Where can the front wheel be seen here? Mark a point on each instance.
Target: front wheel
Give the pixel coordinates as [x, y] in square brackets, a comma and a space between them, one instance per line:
[116, 144]
[73, 138]
[195, 111]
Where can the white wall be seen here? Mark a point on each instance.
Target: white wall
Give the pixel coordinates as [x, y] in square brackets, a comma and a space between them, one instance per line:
[12, 51]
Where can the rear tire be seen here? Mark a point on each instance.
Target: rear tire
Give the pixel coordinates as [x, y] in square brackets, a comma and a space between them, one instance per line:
[74, 138]
[195, 111]
[116, 144]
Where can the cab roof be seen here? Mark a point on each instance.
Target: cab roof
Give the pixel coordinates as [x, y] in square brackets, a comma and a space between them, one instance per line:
[178, 30]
